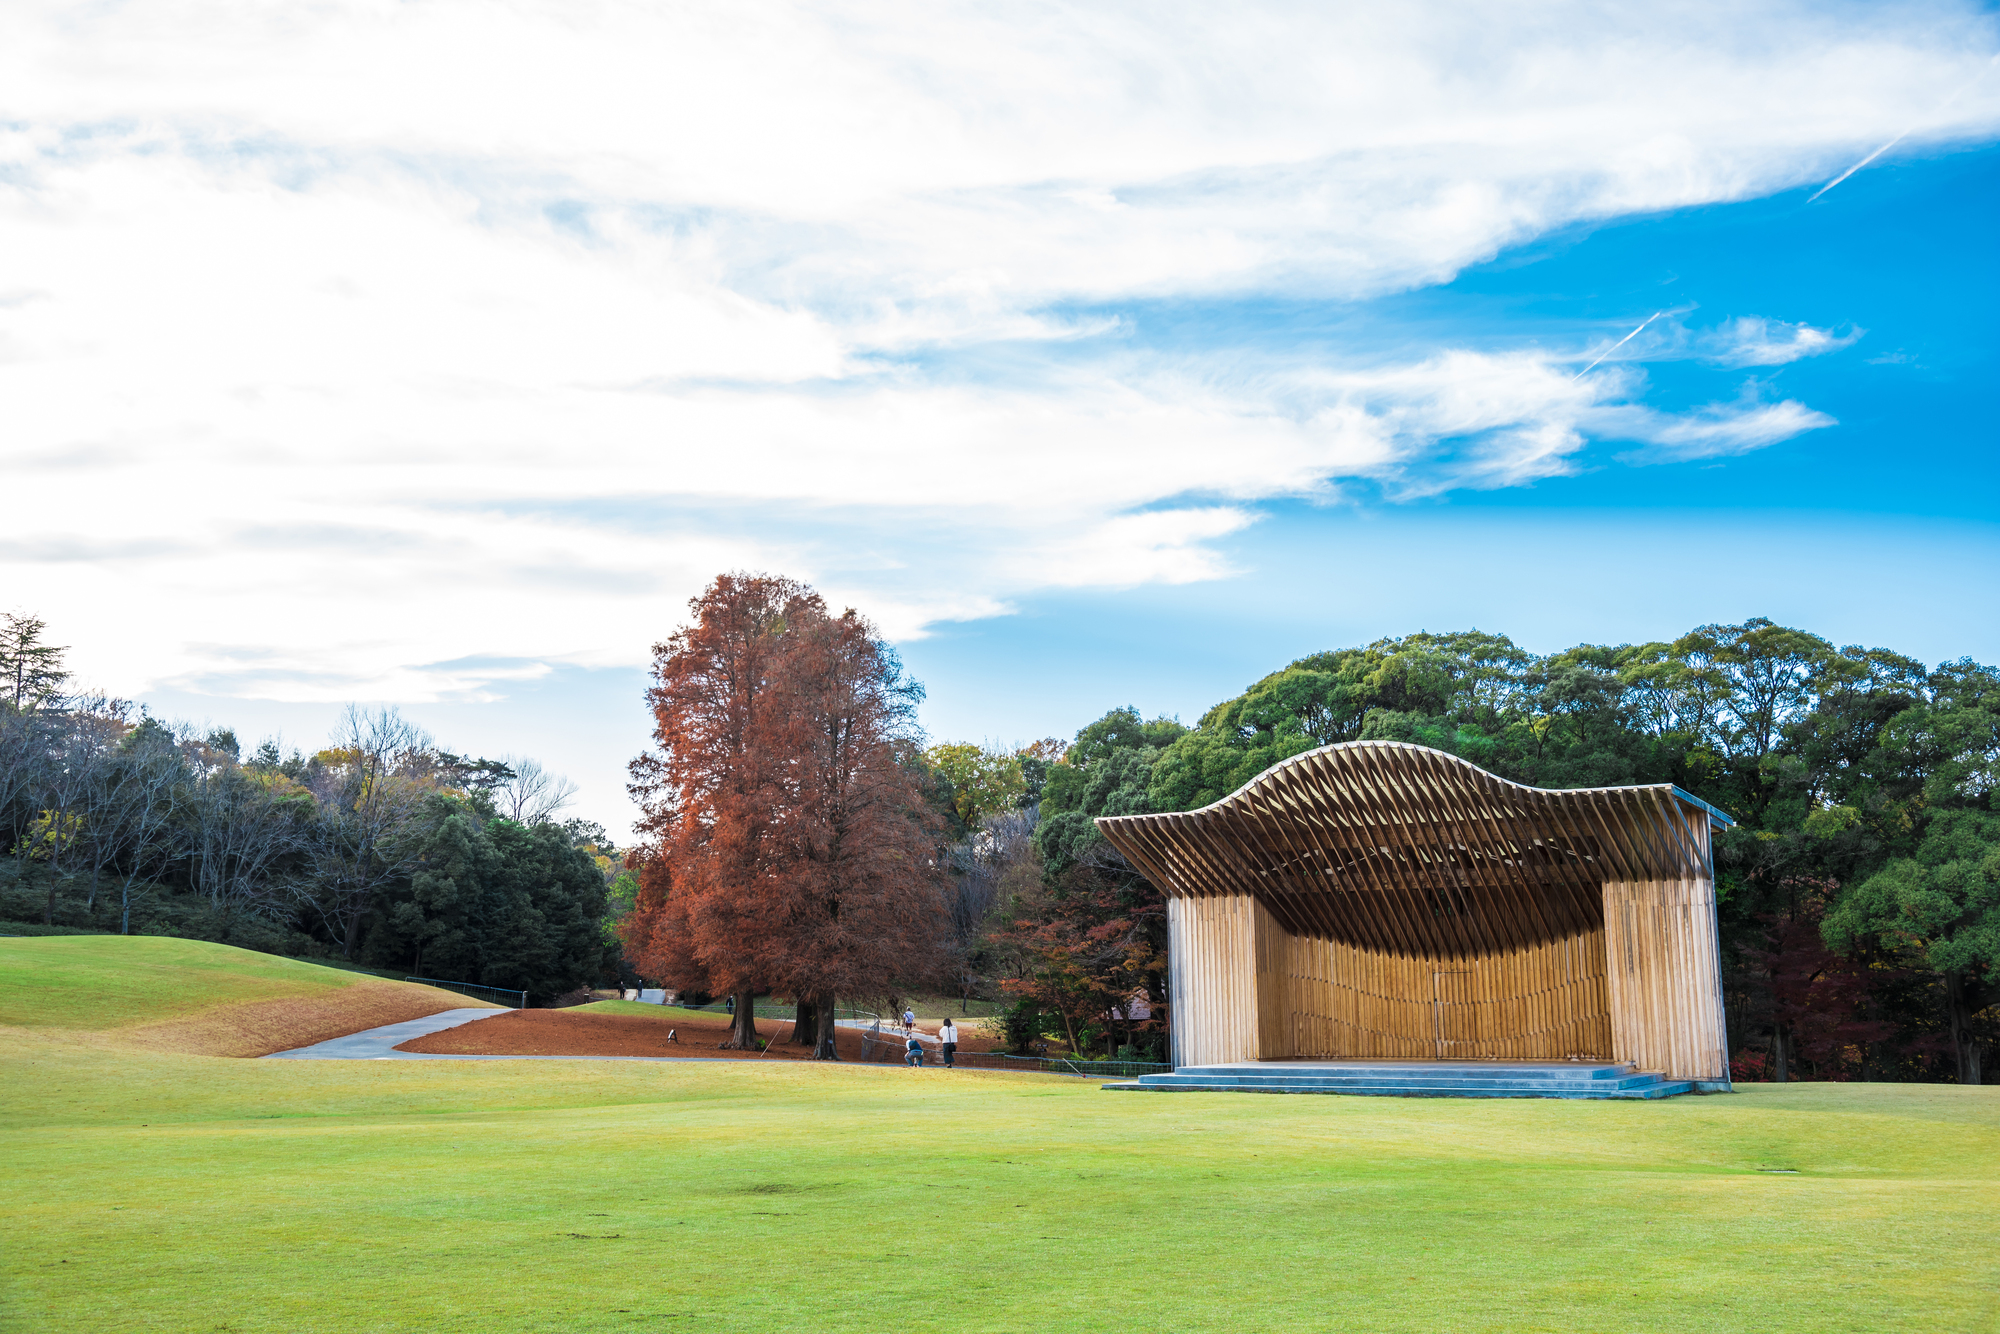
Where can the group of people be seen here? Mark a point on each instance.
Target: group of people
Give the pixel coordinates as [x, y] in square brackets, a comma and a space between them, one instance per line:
[913, 1047]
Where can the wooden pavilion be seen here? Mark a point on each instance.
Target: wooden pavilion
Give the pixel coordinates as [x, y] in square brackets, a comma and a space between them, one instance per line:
[1376, 899]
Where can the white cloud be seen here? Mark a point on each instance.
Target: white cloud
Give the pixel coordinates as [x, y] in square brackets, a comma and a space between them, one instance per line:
[346, 348]
[1714, 431]
[1751, 340]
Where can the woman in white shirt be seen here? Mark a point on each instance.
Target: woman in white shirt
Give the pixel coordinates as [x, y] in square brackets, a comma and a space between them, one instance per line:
[948, 1035]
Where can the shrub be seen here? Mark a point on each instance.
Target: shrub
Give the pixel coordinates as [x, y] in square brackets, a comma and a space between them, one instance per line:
[1021, 1025]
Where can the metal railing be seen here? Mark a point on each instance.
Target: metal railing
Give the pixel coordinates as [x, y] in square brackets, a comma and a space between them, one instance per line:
[1089, 1069]
[890, 1045]
[476, 990]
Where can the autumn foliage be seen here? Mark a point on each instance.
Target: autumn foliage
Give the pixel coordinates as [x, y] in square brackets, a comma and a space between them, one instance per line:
[787, 846]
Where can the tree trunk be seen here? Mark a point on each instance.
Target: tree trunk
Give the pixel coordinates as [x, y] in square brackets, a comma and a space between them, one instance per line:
[1781, 1068]
[743, 1024]
[350, 916]
[823, 1048]
[805, 1027]
[1958, 1018]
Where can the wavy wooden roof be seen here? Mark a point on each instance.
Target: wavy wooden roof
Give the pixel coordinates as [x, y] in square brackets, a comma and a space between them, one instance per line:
[1409, 850]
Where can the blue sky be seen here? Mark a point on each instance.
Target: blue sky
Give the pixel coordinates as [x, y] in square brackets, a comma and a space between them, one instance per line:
[1879, 530]
[437, 355]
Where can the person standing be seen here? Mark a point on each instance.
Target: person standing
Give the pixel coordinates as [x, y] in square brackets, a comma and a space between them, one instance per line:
[948, 1037]
[909, 1020]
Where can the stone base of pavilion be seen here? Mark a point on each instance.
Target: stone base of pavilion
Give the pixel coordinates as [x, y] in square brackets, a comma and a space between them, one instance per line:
[1419, 1079]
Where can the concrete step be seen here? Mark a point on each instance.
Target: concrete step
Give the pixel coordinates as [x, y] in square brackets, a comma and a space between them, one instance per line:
[1656, 1089]
[1553, 1088]
[1430, 1070]
[1416, 1080]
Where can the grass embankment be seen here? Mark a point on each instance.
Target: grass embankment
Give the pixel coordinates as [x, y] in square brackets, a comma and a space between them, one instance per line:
[158, 1191]
[704, 1017]
[193, 996]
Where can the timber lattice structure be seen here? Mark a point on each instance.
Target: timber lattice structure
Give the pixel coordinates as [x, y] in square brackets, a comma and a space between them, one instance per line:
[1380, 899]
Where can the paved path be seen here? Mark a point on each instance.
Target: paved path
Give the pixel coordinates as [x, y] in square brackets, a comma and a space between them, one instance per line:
[379, 1044]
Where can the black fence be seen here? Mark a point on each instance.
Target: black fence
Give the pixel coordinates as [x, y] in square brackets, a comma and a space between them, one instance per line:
[517, 1000]
[890, 1045]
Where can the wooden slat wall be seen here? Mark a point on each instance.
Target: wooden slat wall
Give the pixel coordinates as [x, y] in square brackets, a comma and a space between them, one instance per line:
[1274, 968]
[1548, 1002]
[1244, 990]
[1219, 1008]
[1666, 994]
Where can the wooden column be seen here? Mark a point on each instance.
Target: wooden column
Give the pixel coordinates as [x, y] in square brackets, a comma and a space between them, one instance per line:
[1227, 957]
[1663, 965]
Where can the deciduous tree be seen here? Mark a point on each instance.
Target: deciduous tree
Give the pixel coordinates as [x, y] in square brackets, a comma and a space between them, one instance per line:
[713, 793]
[787, 845]
[862, 866]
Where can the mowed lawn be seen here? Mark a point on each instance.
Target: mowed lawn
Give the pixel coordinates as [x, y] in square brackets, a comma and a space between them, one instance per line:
[147, 1190]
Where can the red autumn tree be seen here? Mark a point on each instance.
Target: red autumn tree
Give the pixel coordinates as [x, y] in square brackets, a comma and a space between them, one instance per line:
[710, 793]
[864, 904]
[785, 845]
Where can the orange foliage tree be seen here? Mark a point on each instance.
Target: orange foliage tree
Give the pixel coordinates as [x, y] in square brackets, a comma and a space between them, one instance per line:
[786, 844]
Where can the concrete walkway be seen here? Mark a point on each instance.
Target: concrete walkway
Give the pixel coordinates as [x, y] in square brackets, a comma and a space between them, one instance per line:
[379, 1044]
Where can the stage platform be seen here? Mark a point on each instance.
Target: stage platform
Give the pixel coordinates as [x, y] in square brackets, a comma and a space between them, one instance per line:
[1416, 1079]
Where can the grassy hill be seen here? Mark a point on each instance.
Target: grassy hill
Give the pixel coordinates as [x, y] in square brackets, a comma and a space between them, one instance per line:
[193, 996]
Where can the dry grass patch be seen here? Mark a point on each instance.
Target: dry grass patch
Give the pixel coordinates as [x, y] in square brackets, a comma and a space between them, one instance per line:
[258, 1028]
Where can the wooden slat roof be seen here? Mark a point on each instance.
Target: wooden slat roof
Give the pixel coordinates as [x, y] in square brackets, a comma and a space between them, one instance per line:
[1409, 850]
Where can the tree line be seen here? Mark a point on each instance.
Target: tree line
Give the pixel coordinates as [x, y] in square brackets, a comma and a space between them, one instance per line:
[382, 849]
[1858, 892]
[798, 837]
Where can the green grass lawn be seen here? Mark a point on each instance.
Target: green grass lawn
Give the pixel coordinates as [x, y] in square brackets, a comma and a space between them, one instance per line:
[105, 982]
[163, 1192]
[149, 1190]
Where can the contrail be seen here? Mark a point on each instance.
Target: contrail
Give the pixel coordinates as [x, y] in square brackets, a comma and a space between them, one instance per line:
[1859, 165]
[1620, 343]
[1945, 105]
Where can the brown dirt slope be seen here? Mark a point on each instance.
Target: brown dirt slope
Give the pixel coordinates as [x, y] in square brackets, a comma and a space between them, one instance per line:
[578, 1032]
[258, 1028]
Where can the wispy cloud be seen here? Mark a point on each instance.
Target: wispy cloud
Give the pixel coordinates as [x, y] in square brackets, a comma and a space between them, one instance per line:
[1751, 340]
[1715, 431]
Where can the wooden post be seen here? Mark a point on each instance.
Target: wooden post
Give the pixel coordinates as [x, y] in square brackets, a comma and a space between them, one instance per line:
[1663, 967]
